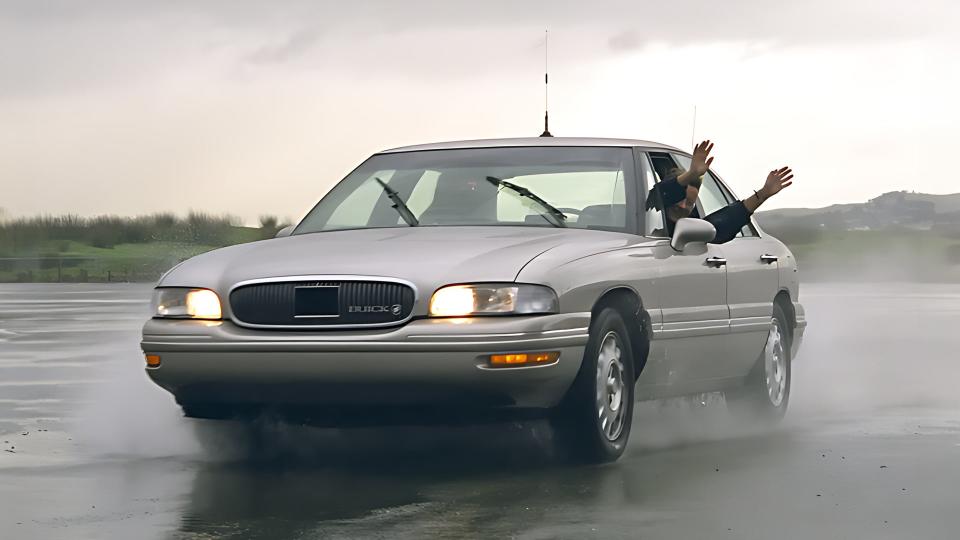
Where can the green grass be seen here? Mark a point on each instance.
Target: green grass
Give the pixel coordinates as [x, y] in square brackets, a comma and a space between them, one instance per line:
[108, 248]
[74, 261]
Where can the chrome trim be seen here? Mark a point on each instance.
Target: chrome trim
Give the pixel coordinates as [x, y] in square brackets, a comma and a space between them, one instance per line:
[321, 277]
[453, 343]
[513, 334]
[582, 329]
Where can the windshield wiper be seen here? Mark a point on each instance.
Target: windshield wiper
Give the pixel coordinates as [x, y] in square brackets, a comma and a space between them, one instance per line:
[559, 218]
[398, 204]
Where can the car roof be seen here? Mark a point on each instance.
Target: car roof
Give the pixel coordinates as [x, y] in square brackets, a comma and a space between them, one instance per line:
[531, 141]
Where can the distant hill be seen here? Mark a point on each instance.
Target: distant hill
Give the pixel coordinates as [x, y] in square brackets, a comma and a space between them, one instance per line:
[895, 209]
[897, 236]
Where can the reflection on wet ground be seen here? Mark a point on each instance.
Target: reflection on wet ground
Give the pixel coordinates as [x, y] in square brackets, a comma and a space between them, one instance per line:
[871, 447]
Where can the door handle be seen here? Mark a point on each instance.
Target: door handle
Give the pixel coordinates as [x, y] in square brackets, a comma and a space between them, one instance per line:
[768, 259]
[716, 262]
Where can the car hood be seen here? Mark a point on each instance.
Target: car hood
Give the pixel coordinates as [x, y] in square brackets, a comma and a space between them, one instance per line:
[426, 256]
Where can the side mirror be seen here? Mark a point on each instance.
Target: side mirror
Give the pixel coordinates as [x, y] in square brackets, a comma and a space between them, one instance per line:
[285, 231]
[689, 231]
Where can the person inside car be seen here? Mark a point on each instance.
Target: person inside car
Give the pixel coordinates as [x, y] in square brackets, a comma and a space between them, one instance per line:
[677, 195]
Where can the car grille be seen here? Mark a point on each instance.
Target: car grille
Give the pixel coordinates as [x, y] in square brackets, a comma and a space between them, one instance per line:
[361, 303]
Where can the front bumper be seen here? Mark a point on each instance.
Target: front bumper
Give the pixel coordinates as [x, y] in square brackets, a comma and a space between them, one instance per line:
[218, 369]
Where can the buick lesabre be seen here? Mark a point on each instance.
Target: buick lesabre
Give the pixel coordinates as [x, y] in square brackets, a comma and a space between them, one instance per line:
[494, 278]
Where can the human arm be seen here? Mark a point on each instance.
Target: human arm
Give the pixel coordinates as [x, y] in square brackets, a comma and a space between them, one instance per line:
[699, 163]
[730, 219]
[777, 180]
[673, 188]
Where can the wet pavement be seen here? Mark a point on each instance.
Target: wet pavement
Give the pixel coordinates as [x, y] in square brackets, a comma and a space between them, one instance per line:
[870, 448]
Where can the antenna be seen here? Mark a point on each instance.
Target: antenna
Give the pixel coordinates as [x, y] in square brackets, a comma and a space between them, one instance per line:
[546, 84]
[693, 130]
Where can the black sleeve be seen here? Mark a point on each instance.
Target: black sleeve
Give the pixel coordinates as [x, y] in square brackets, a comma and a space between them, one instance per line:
[728, 221]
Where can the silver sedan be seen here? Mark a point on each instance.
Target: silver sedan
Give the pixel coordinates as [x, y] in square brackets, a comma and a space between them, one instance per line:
[485, 279]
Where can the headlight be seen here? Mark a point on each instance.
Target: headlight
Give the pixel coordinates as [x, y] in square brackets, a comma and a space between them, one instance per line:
[180, 303]
[492, 299]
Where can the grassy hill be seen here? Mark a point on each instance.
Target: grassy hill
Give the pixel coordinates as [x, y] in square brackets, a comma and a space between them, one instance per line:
[897, 235]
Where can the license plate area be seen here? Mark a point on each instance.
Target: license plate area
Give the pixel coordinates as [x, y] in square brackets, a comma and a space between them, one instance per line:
[316, 302]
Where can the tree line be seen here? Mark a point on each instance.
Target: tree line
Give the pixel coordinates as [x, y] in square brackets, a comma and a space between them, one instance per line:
[25, 234]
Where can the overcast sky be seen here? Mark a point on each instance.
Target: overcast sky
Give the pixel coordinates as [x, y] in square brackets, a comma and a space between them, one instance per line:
[254, 108]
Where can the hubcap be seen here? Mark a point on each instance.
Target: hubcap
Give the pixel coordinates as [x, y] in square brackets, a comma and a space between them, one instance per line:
[611, 390]
[775, 365]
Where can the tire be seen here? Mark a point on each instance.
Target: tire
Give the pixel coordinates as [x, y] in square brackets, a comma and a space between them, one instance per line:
[592, 424]
[766, 392]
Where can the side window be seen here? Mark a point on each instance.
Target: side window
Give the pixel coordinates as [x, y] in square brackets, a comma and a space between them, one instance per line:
[711, 197]
[654, 224]
[747, 229]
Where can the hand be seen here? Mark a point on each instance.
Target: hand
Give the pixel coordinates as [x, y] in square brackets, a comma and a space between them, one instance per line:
[701, 158]
[776, 181]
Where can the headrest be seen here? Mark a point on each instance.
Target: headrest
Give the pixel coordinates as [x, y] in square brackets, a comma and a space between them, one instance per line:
[607, 215]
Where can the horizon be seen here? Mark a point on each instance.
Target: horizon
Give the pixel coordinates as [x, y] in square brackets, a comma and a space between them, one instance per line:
[249, 108]
[5, 217]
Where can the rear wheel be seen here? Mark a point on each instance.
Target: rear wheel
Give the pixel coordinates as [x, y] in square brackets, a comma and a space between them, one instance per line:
[766, 393]
[593, 422]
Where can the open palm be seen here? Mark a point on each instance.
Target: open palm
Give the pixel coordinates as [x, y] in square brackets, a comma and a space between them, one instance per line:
[777, 180]
[701, 158]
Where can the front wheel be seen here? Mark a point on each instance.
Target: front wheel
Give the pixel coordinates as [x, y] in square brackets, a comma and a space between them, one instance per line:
[766, 393]
[593, 422]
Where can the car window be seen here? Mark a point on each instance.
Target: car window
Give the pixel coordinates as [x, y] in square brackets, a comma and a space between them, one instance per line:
[592, 186]
[748, 229]
[711, 197]
[654, 224]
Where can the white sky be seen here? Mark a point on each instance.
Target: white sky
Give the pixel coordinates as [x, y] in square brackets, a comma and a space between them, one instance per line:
[254, 108]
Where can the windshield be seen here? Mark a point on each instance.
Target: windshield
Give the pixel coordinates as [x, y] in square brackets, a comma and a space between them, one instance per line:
[579, 187]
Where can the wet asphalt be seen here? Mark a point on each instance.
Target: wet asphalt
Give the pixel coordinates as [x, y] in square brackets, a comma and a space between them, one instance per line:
[89, 448]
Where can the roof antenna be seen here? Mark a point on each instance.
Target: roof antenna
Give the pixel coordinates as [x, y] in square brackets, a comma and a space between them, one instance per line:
[546, 85]
[693, 130]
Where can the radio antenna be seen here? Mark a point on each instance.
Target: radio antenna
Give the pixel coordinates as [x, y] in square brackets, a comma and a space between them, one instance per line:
[693, 129]
[546, 84]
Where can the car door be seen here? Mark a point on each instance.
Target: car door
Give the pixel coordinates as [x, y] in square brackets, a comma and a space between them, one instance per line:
[752, 282]
[753, 279]
[694, 317]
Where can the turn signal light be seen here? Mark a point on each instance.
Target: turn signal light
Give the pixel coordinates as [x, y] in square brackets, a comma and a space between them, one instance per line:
[153, 360]
[523, 359]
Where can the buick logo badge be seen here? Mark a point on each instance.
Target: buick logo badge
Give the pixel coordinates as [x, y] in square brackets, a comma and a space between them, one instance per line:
[395, 309]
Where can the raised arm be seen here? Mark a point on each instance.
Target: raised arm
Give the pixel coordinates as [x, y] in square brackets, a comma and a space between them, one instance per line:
[777, 180]
[698, 164]
[673, 189]
[730, 219]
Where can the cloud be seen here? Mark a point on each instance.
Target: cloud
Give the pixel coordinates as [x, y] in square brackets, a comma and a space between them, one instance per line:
[57, 46]
[298, 43]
